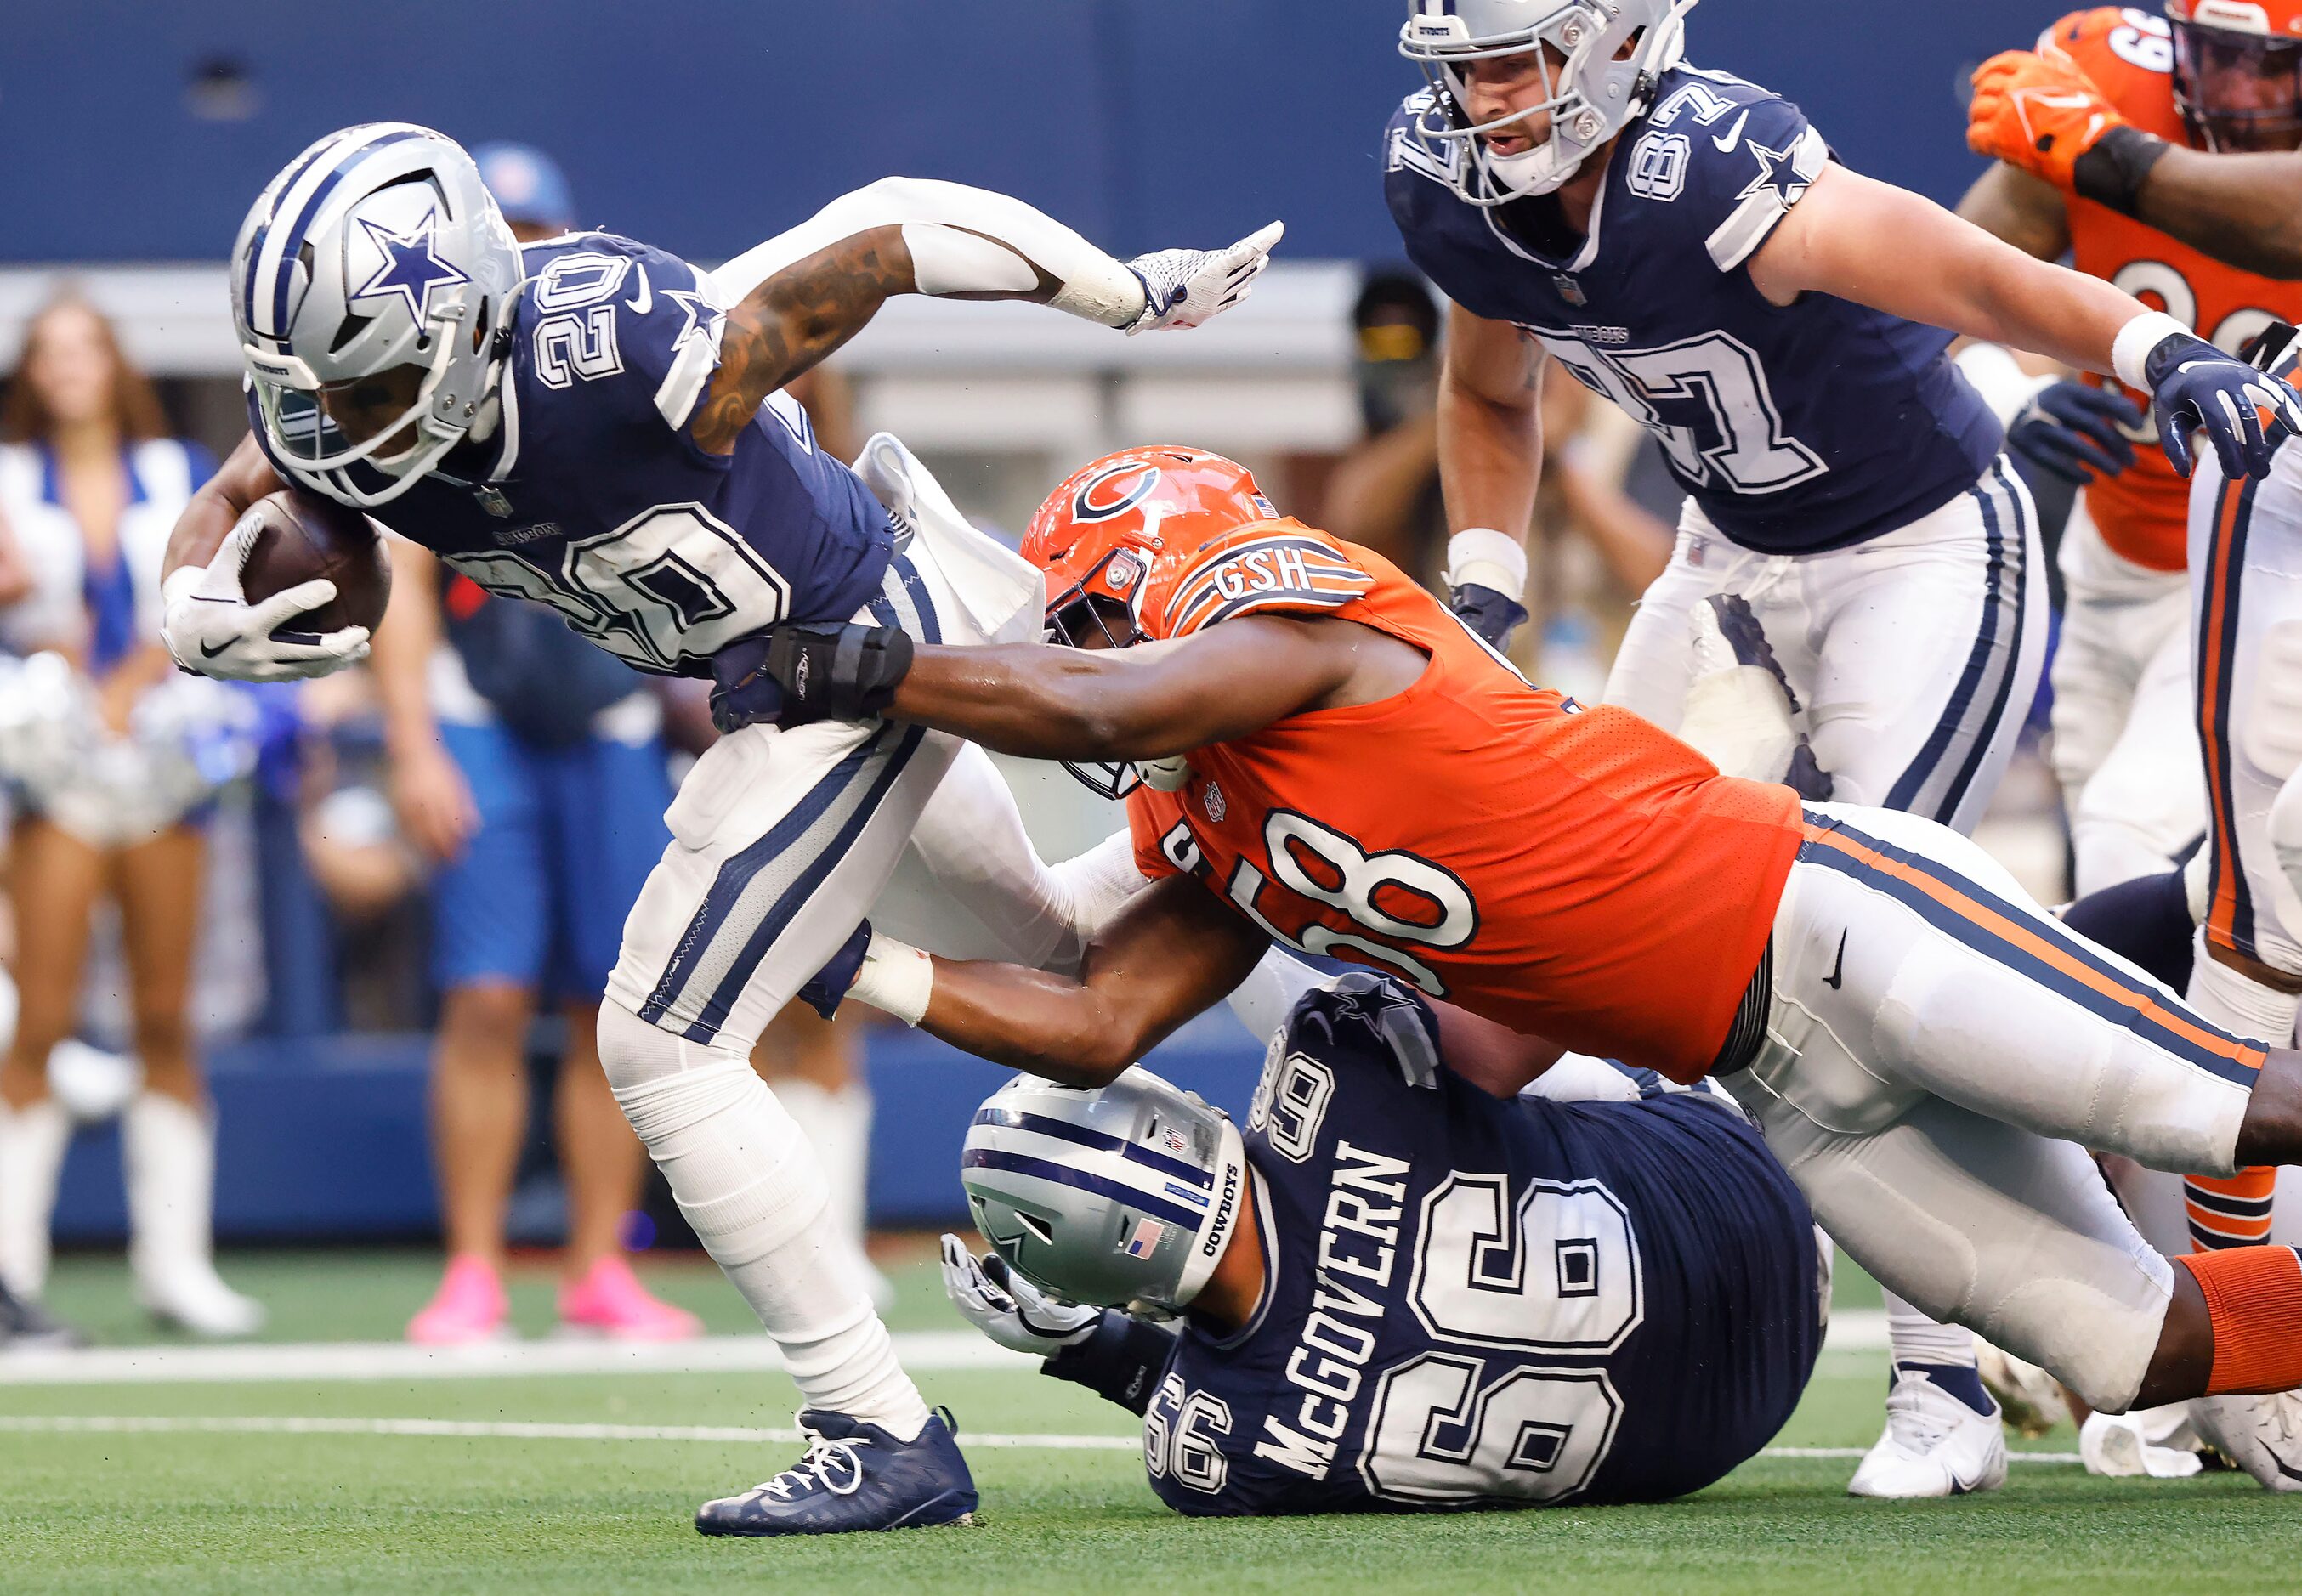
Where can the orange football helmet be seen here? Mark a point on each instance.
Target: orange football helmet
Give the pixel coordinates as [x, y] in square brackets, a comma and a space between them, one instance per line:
[2238, 72]
[1099, 537]
[1099, 534]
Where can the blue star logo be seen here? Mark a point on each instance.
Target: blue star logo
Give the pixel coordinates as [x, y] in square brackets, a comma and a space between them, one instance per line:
[1368, 999]
[1775, 171]
[703, 320]
[412, 267]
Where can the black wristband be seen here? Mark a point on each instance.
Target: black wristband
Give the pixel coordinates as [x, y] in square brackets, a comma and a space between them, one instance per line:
[2111, 174]
[1121, 1362]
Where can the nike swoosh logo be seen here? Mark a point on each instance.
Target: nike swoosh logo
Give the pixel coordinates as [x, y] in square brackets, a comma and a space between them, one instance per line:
[209, 650]
[1837, 976]
[645, 300]
[1734, 135]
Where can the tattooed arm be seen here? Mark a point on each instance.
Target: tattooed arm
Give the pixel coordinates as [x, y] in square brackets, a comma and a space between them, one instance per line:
[794, 319]
[801, 295]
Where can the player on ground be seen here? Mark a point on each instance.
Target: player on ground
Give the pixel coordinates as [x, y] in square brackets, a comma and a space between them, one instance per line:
[1445, 1297]
[2125, 726]
[592, 424]
[1352, 773]
[1684, 242]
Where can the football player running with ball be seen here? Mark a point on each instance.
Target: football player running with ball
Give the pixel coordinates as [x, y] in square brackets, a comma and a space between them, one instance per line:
[592, 424]
[1686, 244]
[1344, 768]
[1400, 1290]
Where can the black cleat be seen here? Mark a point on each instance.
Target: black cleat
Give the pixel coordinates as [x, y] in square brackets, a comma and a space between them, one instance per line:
[855, 1476]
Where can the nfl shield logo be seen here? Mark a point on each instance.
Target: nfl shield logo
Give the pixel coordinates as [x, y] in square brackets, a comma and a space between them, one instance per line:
[1148, 1234]
[1568, 288]
[1216, 807]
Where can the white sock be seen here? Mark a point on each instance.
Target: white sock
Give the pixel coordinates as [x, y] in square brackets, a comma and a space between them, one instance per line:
[2238, 1002]
[32, 1142]
[1915, 1338]
[748, 1184]
[167, 1153]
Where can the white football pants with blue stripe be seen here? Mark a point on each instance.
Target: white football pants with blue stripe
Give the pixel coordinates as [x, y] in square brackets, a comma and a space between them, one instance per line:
[1913, 655]
[781, 841]
[1940, 1054]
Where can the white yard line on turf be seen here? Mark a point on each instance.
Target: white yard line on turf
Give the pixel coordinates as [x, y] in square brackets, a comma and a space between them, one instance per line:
[926, 1351]
[504, 1431]
[498, 1430]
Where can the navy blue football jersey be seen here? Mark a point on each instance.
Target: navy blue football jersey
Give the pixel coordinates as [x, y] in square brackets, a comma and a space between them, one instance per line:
[1476, 1303]
[591, 497]
[1796, 428]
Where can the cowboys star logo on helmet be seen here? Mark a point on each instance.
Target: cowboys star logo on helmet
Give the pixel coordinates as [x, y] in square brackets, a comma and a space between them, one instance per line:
[411, 267]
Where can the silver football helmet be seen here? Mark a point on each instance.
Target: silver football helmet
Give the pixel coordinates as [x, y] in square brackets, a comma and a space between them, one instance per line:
[372, 289]
[1590, 92]
[1122, 1196]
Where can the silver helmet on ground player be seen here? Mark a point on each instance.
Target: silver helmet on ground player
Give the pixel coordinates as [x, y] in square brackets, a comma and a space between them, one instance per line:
[372, 288]
[1123, 1195]
[1598, 60]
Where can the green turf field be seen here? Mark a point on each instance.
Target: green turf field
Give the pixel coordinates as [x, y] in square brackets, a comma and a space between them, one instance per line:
[353, 1506]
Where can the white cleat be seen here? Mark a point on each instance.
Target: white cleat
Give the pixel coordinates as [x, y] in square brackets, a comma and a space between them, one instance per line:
[2151, 1442]
[2262, 1436]
[2029, 1399]
[192, 1296]
[1935, 1445]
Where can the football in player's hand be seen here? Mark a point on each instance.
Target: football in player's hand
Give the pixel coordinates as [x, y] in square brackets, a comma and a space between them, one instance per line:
[301, 537]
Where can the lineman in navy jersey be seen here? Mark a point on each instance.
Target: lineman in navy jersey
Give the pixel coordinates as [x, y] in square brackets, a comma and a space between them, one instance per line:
[1684, 242]
[1445, 1299]
[595, 425]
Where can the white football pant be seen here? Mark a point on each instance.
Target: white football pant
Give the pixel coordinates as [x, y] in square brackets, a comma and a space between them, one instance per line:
[1914, 656]
[1940, 1054]
[2126, 740]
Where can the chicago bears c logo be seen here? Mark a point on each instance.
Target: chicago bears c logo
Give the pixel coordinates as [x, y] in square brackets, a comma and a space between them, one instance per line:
[1113, 493]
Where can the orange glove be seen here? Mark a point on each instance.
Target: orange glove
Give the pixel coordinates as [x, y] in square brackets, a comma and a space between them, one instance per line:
[2038, 113]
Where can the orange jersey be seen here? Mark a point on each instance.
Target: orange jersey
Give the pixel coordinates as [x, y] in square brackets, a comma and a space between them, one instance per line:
[2143, 511]
[1576, 874]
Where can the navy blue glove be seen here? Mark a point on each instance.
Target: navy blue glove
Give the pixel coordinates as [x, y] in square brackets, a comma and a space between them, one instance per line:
[2072, 429]
[1488, 612]
[742, 693]
[2194, 385]
[827, 988]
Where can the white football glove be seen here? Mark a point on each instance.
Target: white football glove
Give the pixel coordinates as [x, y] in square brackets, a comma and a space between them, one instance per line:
[1182, 287]
[212, 629]
[1008, 1308]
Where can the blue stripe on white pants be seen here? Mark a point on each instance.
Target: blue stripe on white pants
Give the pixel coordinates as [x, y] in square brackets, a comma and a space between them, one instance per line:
[1976, 716]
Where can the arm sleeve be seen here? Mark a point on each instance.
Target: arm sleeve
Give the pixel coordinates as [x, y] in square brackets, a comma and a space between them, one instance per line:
[962, 242]
[1121, 1362]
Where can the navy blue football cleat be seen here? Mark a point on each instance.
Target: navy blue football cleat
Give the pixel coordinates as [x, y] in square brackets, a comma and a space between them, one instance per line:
[855, 1476]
